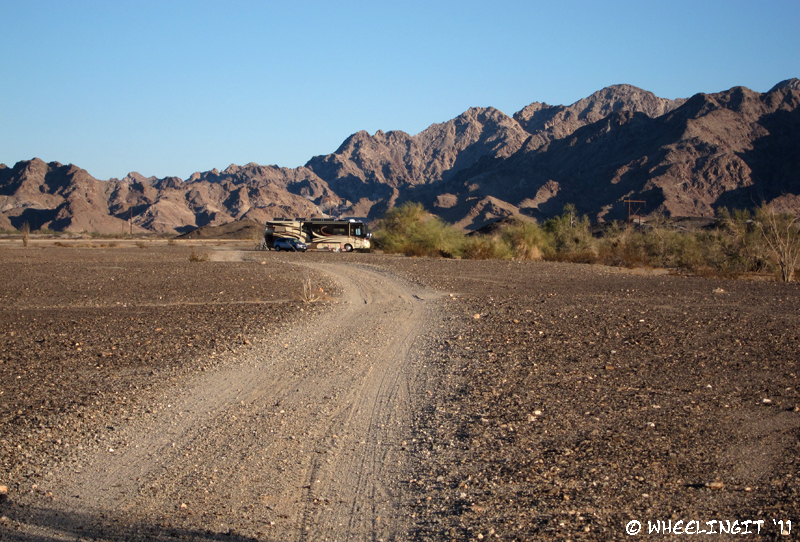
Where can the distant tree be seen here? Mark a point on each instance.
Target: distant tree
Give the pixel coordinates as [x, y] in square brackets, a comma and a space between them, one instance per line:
[782, 236]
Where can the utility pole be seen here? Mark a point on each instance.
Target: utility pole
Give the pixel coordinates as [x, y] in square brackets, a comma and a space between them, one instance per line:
[634, 213]
[330, 204]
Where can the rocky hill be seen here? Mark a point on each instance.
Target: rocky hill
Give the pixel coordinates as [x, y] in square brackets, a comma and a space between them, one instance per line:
[682, 157]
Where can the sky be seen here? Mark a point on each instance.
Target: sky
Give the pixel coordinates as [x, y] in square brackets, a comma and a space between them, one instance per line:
[167, 88]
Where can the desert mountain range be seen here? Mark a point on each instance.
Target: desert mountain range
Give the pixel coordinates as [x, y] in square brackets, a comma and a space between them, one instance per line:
[684, 157]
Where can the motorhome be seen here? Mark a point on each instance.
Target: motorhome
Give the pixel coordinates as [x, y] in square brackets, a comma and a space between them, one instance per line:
[345, 234]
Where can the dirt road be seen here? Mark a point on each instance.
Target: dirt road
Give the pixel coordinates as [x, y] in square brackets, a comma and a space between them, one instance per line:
[305, 438]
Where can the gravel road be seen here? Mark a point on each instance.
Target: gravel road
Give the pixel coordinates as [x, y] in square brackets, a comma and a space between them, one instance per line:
[304, 437]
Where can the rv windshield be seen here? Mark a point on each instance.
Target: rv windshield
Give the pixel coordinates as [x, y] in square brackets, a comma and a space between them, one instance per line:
[359, 230]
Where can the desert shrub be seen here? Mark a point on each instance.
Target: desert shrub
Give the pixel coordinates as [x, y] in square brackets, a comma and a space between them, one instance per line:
[739, 242]
[526, 240]
[141, 244]
[198, 257]
[486, 247]
[309, 292]
[409, 229]
[631, 247]
[708, 252]
[743, 241]
[781, 239]
[25, 231]
[570, 238]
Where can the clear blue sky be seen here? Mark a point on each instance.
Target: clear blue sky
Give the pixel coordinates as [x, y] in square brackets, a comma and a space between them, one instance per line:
[172, 87]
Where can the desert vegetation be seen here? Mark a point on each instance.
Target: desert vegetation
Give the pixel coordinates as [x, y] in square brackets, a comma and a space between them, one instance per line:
[735, 243]
[25, 231]
[196, 256]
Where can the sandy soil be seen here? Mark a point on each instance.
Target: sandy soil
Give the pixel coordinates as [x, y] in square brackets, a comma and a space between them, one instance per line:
[147, 396]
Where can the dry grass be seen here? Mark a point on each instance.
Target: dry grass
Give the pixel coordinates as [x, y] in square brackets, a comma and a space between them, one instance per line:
[198, 256]
[309, 292]
[25, 231]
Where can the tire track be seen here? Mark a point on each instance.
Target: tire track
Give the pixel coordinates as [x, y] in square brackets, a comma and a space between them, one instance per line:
[302, 439]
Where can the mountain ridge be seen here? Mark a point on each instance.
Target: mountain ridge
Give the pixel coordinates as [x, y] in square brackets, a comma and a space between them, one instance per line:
[685, 157]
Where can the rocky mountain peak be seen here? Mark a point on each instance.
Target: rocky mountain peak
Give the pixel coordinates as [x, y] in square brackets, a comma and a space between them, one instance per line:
[136, 177]
[793, 83]
[560, 121]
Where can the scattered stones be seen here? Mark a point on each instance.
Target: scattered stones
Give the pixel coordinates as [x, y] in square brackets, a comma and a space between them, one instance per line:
[567, 475]
[650, 427]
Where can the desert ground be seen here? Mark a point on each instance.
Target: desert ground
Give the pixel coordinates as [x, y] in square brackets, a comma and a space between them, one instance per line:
[201, 390]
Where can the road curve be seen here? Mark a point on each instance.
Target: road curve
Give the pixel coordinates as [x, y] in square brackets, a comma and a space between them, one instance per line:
[304, 438]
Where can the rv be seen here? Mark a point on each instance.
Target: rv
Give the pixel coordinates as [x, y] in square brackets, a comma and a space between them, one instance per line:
[346, 234]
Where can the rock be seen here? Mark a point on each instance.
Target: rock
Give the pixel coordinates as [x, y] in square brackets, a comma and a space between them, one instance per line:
[715, 485]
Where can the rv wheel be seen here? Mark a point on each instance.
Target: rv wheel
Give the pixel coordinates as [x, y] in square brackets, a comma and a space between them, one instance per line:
[348, 248]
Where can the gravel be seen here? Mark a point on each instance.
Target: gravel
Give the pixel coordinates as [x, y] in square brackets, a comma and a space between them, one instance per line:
[561, 401]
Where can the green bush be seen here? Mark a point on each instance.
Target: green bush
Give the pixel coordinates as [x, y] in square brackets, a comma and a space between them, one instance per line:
[409, 229]
[629, 247]
[486, 247]
[739, 243]
[570, 238]
[526, 240]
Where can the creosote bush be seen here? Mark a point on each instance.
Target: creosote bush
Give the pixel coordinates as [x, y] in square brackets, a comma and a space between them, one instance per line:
[738, 243]
[409, 229]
